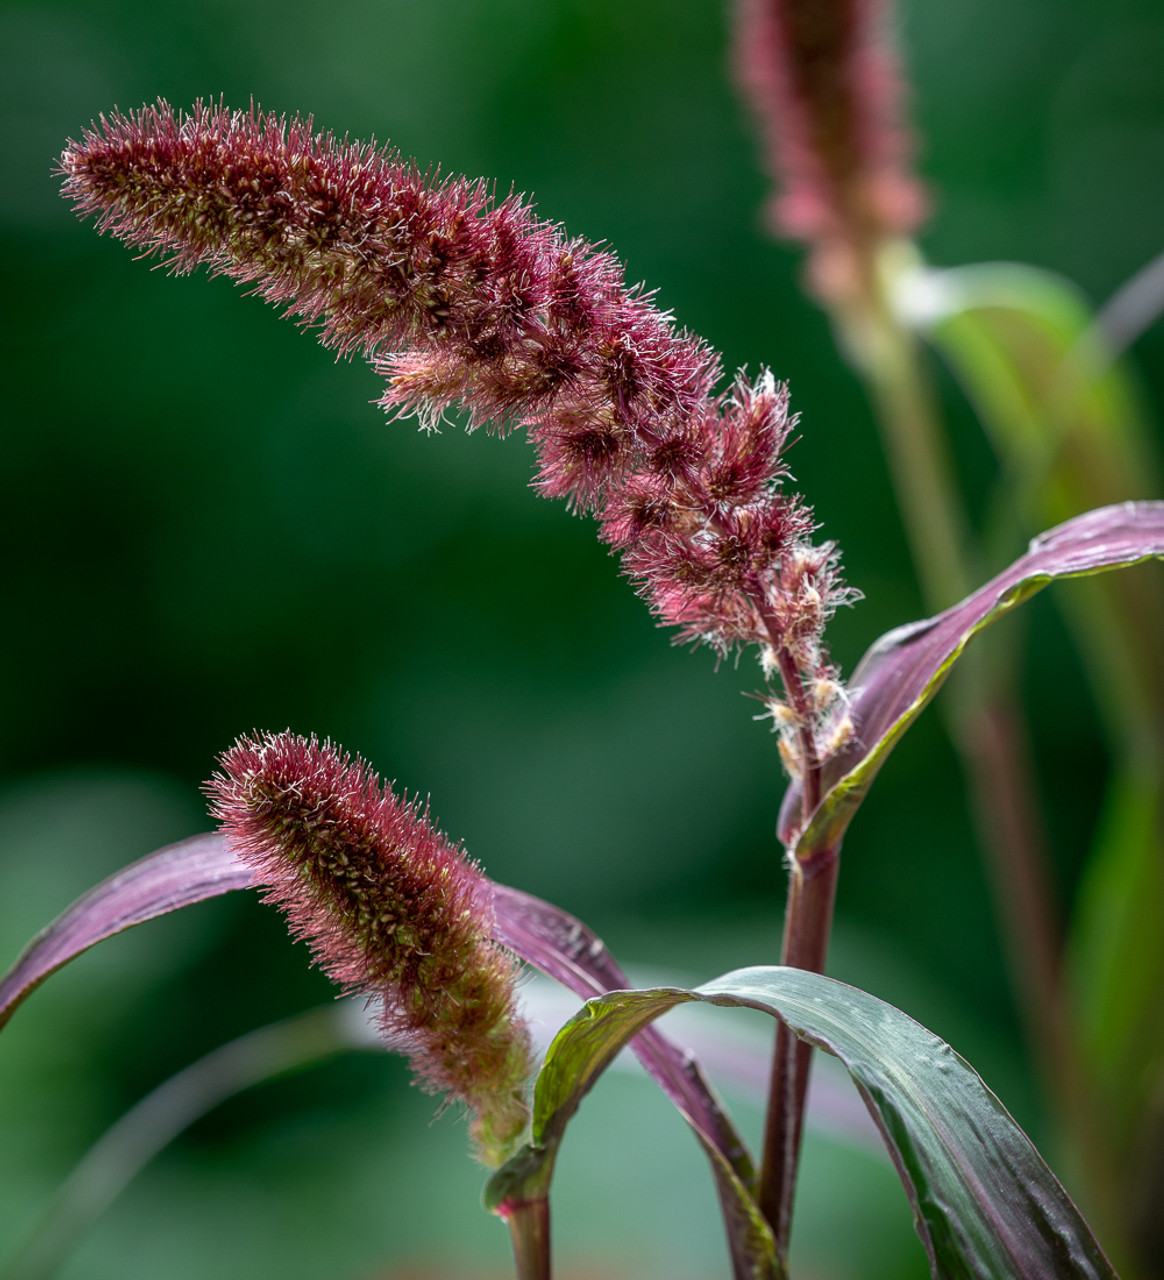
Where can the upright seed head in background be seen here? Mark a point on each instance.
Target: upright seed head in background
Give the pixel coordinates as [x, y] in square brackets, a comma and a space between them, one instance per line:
[463, 301]
[392, 911]
[822, 79]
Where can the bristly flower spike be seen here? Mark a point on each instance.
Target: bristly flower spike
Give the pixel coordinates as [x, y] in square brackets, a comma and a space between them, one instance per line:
[822, 79]
[392, 911]
[465, 302]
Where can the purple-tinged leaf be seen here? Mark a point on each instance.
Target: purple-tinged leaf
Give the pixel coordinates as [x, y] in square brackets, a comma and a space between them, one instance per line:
[176, 876]
[985, 1204]
[540, 934]
[206, 866]
[903, 670]
[563, 948]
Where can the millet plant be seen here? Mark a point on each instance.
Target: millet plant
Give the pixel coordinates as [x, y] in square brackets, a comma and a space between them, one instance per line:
[473, 308]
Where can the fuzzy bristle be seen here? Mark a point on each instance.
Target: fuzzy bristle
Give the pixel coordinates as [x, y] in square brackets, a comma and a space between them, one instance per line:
[467, 302]
[391, 910]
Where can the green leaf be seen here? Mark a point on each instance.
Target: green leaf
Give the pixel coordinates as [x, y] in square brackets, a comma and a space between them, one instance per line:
[1062, 413]
[1116, 959]
[985, 1204]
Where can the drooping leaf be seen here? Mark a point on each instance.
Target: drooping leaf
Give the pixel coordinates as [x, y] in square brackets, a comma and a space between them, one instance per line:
[563, 948]
[544, 936]
[902, 671]
[202, 867]
[176, 876]
[1065, 419]
[985, 1204]
[1063, 413]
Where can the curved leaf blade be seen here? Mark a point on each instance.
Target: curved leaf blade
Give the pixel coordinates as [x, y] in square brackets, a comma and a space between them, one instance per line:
[177, 876]
[902, 671]
[985, 1204]
[540, 934]
[202, 867]
[564, 949]
[1062, 413]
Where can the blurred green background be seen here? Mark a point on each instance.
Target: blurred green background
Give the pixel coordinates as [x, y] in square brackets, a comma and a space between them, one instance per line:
[208, 528]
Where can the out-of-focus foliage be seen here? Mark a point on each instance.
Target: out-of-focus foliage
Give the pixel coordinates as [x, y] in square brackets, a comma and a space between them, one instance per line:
[207, 528]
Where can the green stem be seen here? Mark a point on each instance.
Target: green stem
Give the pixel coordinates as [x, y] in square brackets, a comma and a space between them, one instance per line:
[529, 1233]
[986, 725]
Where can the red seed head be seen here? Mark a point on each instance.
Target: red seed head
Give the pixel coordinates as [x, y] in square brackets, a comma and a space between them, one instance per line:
[391, 910]
[464, 302]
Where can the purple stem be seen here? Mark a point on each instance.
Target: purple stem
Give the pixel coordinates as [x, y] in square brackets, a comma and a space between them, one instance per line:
[807, 925]
[529, 1233]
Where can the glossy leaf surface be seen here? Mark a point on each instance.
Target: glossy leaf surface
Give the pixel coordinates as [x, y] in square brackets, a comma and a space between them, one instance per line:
[985, 1204]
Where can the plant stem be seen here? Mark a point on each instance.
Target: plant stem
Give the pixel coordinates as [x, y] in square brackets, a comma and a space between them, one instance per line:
[529, 1232]
[807, 924]
[932, 513]
[987, 733]
[995, 747]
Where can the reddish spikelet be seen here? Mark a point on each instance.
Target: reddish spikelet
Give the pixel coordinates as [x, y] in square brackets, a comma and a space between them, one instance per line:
[822, 78]
[459, 300]
[465, 302]
[391, 910]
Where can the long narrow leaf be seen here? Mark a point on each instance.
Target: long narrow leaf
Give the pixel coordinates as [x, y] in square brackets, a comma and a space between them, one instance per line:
[1062, 414]
[206, 866]
[541, 934]
[563, 948]
[176, 876]
[985, 1204]
[903, 670]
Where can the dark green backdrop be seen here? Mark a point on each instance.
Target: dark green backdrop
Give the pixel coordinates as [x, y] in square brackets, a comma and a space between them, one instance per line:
[207, 528]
